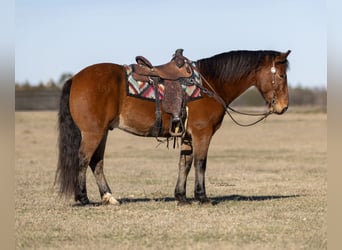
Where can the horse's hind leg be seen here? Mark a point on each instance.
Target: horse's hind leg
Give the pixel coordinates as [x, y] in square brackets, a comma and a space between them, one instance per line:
[96, 165]
[89, 144]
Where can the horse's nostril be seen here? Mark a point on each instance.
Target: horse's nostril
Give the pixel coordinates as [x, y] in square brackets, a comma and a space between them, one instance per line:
[284, 110]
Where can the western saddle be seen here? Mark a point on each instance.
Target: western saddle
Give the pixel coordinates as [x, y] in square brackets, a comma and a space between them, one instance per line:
[172, 75]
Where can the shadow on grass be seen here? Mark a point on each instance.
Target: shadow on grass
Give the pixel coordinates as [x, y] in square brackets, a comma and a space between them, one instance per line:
[214, 200]
[236, 197]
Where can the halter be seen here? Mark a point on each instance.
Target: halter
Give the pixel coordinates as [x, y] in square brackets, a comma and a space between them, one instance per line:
[218, 98]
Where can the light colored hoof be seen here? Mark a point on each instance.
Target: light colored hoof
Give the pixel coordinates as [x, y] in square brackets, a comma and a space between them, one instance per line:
[109, 199]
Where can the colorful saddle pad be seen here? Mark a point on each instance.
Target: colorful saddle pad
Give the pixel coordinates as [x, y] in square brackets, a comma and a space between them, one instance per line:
[145, 90]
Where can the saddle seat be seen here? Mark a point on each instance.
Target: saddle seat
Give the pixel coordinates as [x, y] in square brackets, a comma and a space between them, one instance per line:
[178, 67]
[169, 74]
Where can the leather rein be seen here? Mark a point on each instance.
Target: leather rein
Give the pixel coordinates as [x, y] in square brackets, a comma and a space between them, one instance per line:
[228, 109]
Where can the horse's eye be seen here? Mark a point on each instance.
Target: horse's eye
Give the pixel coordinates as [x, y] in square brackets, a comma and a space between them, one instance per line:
[282, 76]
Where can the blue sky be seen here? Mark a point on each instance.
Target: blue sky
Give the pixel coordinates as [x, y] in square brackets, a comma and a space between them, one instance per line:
[54, 37]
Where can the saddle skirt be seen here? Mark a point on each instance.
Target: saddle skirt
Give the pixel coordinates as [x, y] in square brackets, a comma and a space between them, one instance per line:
[145, 90]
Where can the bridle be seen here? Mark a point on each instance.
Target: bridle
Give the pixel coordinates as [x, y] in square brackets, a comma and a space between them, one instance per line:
[217, 97]
[274, 97]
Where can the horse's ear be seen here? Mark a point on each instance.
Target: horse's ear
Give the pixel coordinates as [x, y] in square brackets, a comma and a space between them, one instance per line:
[282, 57]
[286, 53]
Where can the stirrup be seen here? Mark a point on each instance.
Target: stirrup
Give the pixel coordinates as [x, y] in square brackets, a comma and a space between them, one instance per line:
[176, 127]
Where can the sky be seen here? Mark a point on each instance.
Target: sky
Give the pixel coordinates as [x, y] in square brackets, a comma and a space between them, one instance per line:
[65, 36]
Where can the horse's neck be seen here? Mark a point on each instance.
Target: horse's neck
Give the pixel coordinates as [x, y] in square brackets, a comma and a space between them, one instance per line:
[233, 89]
[228, 89]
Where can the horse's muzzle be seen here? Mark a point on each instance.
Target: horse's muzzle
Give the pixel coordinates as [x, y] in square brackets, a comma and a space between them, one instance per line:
[282, 111]
[275, 109]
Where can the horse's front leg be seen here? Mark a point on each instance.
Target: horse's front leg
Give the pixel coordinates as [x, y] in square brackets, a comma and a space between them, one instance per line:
[185, 162]
[201, 145]
[200, 192]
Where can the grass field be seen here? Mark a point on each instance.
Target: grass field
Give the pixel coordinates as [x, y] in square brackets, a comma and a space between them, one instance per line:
[268, 183]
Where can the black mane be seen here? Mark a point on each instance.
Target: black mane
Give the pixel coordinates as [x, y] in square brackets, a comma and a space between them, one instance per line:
[234, 65]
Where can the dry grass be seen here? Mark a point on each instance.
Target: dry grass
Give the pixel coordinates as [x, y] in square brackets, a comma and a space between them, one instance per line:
[269, 184]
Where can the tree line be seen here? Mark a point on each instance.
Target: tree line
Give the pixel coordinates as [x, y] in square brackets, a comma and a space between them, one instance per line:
[49, 85]
[298, 95]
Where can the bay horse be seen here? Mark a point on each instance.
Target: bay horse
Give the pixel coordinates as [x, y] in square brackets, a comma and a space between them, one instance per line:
[95, 101]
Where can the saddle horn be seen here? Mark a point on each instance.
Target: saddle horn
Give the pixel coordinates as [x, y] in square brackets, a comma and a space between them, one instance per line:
[179, 52]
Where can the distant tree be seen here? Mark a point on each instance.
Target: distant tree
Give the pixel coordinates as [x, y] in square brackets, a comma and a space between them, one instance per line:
[40, 86]
[308, 96]
[26, 86]
[51, 85]
[63, 78]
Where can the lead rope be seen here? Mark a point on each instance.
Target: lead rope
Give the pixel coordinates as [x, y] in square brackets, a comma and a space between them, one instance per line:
[213, 94]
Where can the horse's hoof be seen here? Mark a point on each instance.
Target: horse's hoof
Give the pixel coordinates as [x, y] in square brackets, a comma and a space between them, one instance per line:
[205, 202]
[83, 200]
[183, 203]
[108, 199]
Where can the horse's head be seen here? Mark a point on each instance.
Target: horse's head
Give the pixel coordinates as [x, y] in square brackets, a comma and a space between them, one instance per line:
[271, 80]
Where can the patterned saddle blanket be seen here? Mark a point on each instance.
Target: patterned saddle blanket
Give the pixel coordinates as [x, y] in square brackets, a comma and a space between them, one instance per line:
[145, 90]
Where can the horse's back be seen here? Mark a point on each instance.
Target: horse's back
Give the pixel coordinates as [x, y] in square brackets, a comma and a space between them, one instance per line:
[95, 95]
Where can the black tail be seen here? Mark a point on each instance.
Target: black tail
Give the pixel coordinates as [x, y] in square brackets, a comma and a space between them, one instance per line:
[69, 140]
